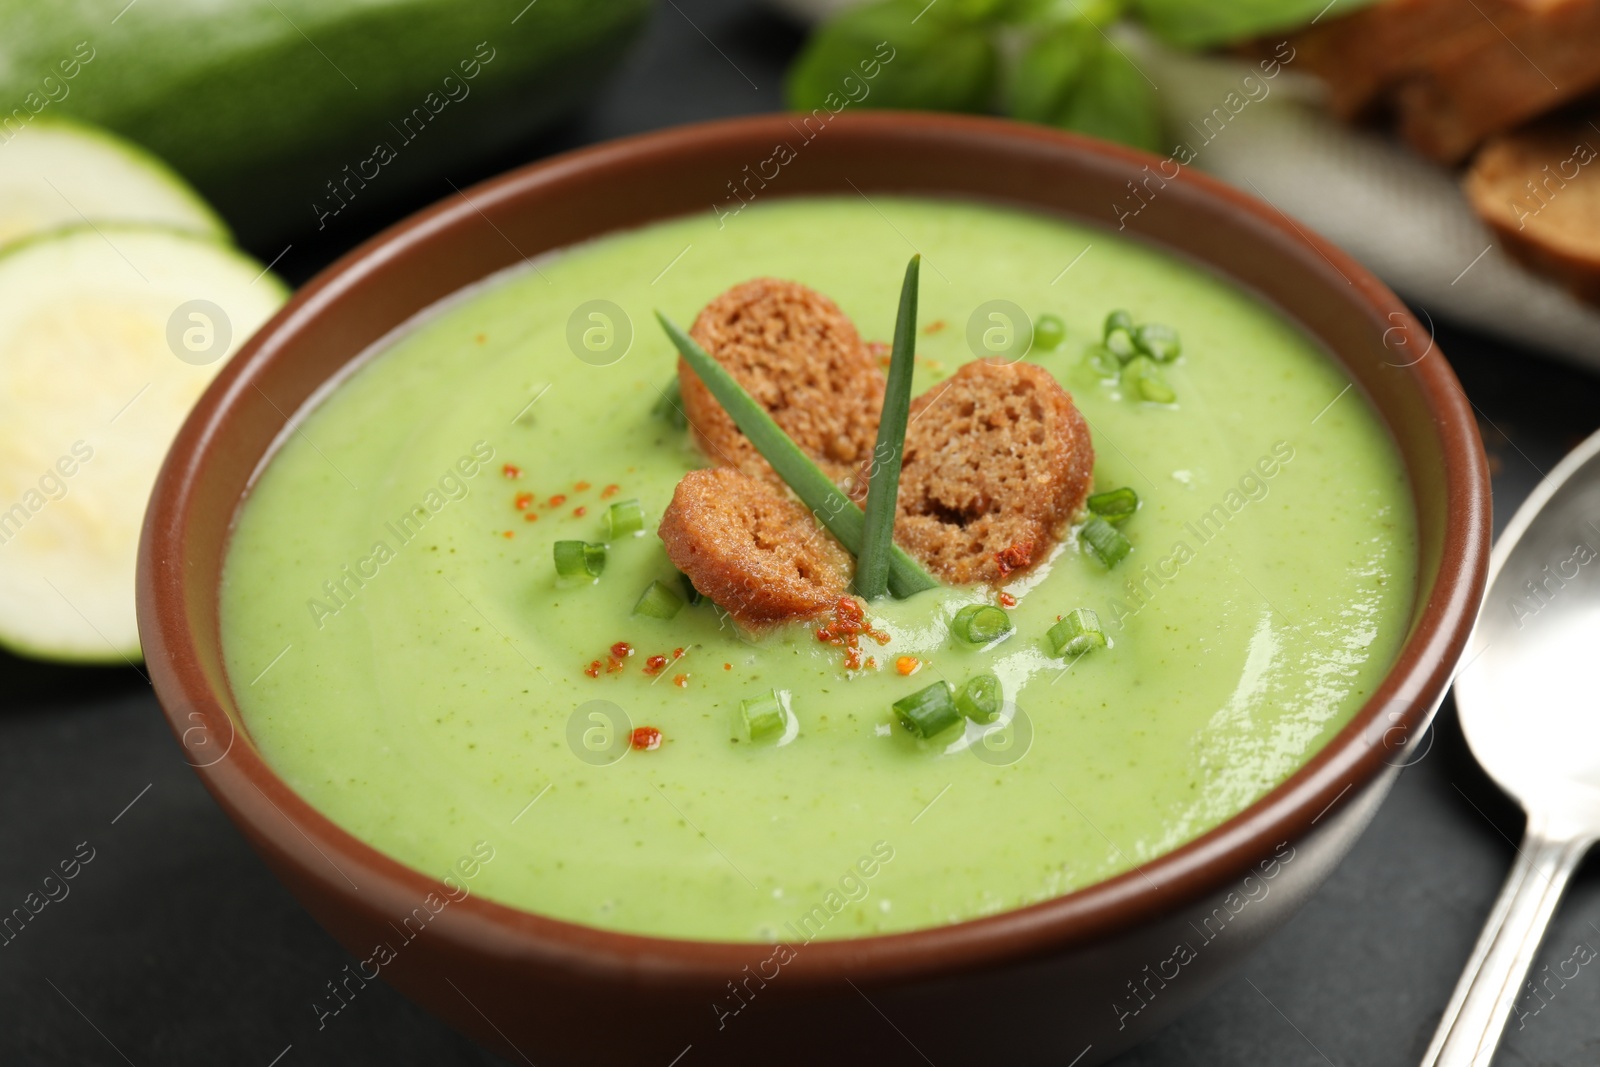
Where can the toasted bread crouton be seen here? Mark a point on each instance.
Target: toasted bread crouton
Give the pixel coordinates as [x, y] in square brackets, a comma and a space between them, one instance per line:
[758, 555]
[997, 461]
[800, 357]
[1540, 190]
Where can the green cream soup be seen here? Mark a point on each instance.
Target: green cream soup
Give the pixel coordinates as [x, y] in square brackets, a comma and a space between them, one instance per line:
[406, 660]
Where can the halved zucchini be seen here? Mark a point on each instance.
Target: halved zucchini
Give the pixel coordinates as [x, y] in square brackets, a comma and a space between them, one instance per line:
[108, 335]
[56, 173]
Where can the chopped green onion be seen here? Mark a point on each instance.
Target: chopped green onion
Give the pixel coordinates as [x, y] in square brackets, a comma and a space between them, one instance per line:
[1117, 320]
[814, 488]
[690, 593]
[1049, 331]
[1120, 343]
[1100, 359]
[928, 712]
[1142, 376]
[883, 487]
[670, 405]
[578, 562]
[763, 716]
[1078, 632]
[980, 698]
[1115, 506]
[979, 624]
[658, 601]
[1158, 341]
[1105, 541]
[625, 517]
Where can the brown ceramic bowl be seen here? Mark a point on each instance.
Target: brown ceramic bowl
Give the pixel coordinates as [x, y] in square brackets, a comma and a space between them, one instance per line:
[1083, 975]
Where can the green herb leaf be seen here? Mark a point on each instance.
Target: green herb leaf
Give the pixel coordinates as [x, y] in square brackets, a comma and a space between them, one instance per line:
[883, 489]
[898, 54]
[831, 507]
[658, 601]
[1203, 23]
[1049, 69]
[1114, 101]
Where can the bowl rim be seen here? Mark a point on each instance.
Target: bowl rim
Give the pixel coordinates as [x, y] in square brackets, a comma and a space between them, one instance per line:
[291, 834]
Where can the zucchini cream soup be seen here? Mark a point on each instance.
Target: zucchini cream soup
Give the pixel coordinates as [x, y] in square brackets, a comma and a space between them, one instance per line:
[473, 596]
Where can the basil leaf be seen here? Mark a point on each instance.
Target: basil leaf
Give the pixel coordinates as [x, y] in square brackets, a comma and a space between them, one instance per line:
[1049, 69]
[1113, 101]
[877, 56]
[1203, 23]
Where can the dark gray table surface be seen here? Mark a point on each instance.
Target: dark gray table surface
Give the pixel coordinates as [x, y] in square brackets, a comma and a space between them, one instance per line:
[175, 946]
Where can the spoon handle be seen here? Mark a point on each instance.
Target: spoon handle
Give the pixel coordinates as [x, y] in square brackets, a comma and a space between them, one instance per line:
[1471, 1026]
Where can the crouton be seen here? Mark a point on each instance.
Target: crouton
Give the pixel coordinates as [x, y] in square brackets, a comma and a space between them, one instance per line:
[758, 555]
[997, 461]
[800, 357]
[1539, 189]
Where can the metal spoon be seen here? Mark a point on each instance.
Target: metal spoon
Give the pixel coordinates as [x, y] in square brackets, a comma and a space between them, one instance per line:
[1529, 702]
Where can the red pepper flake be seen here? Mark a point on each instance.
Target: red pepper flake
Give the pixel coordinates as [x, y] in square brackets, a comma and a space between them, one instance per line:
[532, 516]
[593, 669]
[609, 491]
[581, 486]
[845, 631]
[677, 653]
[681, 681]
[613, 665]
[933, 327]
[908, 665]
[1007, 600]
[622, 650]
[727, 666]
[872, 663]
[556, 501]
[511, 470]
[646, 739]
[508, 534]
[1014, 558]
[482, 337]
[523, 501]
[655, 665]
[579, 512]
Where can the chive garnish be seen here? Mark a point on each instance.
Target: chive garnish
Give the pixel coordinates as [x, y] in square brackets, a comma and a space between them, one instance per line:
[1142, 376]
[1117, 320]
[1049, 331]
[1158, 341]
[670, 405]
[578, 562]
[980, 698]
[1077, 632]
[979, 624]
[1105, 541]
[625, 517]
[1120, 343]
[658, 601]
[1115, 506]
[832, 508]
[762, 716]
[883, 488]
[928, 712]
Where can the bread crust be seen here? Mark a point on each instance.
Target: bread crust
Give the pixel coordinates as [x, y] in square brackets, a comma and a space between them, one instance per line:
[998, 461]
[801, 358]
[1539, 189]
[758, 555]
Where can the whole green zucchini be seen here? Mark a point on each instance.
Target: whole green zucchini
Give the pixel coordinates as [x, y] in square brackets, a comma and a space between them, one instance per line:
[286, 113]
